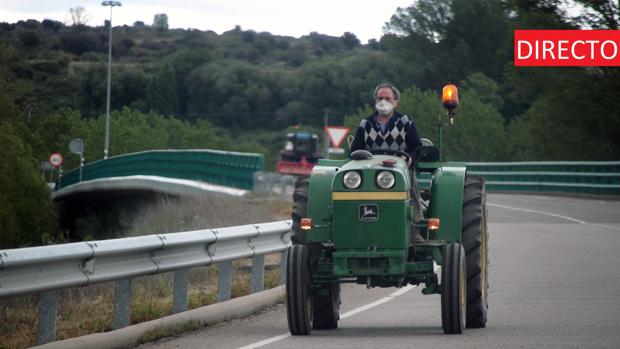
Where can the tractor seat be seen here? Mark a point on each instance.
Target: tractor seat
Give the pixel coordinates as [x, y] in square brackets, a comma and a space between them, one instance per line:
[361, 154]
[426, 153]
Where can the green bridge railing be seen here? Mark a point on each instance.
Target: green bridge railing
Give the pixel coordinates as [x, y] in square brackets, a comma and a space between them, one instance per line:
[595, 177]
[231, 169]
[565, 176]
[237, 170]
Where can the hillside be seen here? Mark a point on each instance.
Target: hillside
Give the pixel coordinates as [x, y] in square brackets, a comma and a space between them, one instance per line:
[242, 90]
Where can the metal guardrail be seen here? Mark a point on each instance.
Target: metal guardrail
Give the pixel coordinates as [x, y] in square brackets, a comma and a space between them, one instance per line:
[47, 269]
[232, 169]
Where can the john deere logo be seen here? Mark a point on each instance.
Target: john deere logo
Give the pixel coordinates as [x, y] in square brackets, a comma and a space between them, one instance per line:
[369, 213]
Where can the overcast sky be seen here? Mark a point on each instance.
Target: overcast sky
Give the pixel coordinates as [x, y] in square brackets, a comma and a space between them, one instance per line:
[281, 17]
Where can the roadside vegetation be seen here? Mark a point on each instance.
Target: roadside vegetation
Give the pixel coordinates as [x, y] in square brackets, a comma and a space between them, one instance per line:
[243, 90]
[84, 310]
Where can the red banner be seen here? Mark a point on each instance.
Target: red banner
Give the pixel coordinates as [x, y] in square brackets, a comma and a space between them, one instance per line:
[567, 48]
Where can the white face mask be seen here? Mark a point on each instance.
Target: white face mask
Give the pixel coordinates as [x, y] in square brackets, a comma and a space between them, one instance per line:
[384, 107]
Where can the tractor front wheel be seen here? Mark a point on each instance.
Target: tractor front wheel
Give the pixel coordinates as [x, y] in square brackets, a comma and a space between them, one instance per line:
[298, 291]
[453, 289]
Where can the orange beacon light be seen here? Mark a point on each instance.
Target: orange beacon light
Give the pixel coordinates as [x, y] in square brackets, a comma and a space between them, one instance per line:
[450, 97]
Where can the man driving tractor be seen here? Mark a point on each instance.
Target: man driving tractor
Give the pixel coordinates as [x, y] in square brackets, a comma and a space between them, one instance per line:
[386, 128]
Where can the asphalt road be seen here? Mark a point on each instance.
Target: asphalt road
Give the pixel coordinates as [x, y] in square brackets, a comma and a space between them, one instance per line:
[554, 283]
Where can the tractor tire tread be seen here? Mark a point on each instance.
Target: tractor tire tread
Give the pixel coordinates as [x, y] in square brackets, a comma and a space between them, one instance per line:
[473, 229]
[326, 309]
[297, 288]
[451, 311]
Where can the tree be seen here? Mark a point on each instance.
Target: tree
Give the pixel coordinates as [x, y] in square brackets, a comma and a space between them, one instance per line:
[527, 14]
[79, 42]
[29, 39]
[600, 14]
[129, 87]
[92, 90]
[350, 41]
[26, 210]
[163, 91]
[575, 122]
[486, 89]
[343, 85]
[427, 18]
[235, 93]
[183, 63]
[52, 25]
[78, 16]
[478, 39]
[160, 22]
[53, 132]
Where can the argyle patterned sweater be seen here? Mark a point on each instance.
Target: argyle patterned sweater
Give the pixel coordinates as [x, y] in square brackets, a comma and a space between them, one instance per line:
[400, 134]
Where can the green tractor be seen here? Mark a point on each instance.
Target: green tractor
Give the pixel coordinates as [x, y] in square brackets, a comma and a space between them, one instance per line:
[364, 220]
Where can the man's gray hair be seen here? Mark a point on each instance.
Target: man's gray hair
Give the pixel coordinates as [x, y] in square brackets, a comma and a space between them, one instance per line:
[388, 85]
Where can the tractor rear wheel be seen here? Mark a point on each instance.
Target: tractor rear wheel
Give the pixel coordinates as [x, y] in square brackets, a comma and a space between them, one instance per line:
[453, 289]
[327, 308]
[300, 208]
[298, 291]
[475, 241]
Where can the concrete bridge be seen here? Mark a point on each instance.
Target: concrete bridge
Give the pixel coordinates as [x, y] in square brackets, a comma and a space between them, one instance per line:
[128, 182]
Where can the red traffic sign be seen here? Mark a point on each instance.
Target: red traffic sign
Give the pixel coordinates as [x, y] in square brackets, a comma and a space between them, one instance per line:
[56, 159]
[336, 134]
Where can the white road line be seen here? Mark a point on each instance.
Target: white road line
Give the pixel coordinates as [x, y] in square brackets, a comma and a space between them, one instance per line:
[538, 212]
[552, 215]
[402, 290]
[342, 316]
[366, 307]
[267, 341]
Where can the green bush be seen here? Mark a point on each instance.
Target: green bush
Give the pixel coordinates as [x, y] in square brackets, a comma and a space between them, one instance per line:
[27, 215]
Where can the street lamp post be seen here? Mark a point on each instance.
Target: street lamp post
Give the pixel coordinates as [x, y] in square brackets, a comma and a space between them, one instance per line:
[106, 145]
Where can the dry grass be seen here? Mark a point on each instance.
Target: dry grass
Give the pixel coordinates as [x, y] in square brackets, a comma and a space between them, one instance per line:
[169, 215]
[18, 322]
[86, 310]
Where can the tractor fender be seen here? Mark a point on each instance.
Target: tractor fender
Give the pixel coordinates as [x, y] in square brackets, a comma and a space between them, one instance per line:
[447, 201]
[320, 205]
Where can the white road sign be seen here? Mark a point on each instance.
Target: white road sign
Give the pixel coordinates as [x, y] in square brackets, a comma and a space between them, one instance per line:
[336, 134]
[56, 159]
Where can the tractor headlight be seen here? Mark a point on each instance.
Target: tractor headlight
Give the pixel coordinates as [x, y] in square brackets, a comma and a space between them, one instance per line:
[385, 180]
[352, 180]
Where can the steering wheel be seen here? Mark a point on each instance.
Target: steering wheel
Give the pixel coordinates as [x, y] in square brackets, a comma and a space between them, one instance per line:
[402, 154]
